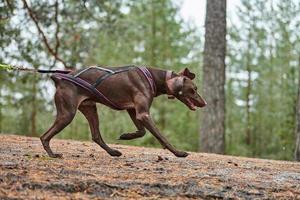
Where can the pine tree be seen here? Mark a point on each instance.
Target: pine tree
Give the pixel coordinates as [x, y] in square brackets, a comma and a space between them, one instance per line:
[212, 133]
[297, 126]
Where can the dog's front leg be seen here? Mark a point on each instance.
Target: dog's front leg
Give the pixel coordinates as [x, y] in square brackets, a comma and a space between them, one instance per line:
[139, 133]
[142, 114]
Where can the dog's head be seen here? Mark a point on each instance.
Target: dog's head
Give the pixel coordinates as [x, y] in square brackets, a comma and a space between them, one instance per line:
[183, 88]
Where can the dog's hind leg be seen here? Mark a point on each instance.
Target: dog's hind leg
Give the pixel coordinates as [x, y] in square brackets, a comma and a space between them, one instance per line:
[89, 110]
[66, 101]
[139, 133]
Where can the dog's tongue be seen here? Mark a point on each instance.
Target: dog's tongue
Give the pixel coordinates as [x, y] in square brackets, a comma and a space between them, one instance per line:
[191, 105]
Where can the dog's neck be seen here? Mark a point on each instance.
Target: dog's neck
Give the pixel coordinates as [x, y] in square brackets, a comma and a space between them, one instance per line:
[160, 79]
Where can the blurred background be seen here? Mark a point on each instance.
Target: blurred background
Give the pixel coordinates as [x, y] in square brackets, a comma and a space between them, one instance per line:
[262, 67]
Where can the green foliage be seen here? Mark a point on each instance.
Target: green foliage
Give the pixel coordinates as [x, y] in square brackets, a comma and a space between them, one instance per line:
[106, 33]
[265, 42]
[262, 61]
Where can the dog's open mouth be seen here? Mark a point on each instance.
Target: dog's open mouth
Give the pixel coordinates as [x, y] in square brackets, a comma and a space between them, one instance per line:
[190, 104]
[193, 103]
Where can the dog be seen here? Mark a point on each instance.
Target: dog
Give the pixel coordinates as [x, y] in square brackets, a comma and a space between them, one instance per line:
[130, 88]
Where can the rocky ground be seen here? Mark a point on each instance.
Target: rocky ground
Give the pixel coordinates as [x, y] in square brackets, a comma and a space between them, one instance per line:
[87, 172]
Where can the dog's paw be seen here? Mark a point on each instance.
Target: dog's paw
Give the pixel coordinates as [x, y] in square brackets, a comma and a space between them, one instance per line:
[56, 155]
[125, 136]
[130, 136]
[181, 154]
[115, 153]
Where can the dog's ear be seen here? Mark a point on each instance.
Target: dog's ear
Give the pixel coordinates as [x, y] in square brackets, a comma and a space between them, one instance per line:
[186, 72]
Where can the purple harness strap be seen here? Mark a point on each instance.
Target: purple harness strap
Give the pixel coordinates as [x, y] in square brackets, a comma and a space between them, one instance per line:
[149, 78]
[82, 83]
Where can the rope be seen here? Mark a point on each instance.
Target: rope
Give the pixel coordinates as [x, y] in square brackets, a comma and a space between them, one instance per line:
[8, 67]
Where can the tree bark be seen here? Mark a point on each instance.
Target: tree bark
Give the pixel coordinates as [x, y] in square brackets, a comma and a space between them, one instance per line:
[297, 127]
[248, 91]
[33, 107]
[0, 110]
[153, 34]
[212, 133]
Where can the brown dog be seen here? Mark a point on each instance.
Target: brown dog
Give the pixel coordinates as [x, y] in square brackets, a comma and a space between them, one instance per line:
[131, 90]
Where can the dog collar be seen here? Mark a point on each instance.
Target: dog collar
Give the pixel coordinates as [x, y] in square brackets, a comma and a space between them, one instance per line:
[169, 91]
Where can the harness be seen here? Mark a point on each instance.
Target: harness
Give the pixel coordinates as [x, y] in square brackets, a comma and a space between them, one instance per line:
[92, 88]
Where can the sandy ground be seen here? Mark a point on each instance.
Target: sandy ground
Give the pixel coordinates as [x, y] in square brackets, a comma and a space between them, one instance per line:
[87, 172]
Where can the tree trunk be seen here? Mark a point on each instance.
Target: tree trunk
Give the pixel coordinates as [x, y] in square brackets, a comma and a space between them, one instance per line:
[0, 110]
[248, 90]
[165, 56]
[34, 107]
[153, 34]
[212, 133]
[297, 127]
[248, 93]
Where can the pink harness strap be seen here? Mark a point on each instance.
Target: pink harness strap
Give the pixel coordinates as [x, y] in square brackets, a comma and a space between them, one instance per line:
[149, 78]
[82, 83]
[89, 87]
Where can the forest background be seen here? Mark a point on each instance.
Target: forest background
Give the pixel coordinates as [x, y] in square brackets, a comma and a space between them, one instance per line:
[262, 68]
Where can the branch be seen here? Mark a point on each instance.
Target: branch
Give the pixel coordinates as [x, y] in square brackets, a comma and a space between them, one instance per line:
[9, 6]
[56, 33]
[57, 27]
[51, 51]
[89, 13]
[6, 11]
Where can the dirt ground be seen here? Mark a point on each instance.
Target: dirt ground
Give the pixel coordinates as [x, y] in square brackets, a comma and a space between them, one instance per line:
[87, 172]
